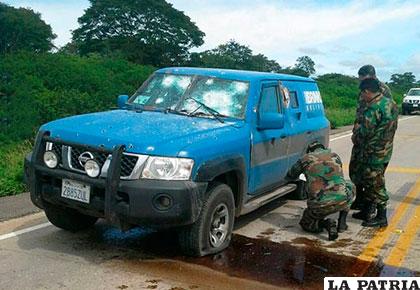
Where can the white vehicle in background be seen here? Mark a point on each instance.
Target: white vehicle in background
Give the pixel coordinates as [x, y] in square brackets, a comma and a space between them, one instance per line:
[411, 101]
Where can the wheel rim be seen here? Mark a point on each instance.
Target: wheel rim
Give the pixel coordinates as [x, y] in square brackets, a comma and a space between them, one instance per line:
[219, 226]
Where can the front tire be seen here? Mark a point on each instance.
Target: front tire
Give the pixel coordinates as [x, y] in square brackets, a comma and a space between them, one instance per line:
[212, 232]
[406, 112]
[68, 219]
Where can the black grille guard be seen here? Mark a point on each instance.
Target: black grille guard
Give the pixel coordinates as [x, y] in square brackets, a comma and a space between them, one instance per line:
[110, 183]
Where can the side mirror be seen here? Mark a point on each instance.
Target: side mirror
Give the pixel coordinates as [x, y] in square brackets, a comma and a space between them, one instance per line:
[271, 121]
[122, 101]
[405, 95]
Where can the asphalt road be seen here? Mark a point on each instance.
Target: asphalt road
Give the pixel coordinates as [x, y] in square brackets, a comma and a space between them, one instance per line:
[268, 250]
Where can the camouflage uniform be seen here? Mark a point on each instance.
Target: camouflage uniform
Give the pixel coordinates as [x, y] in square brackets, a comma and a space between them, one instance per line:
[373, 134]
[356, 163]
[328, 191]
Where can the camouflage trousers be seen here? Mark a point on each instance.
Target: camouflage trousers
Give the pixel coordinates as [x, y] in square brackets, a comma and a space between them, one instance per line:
[325, 205]
[369, 180]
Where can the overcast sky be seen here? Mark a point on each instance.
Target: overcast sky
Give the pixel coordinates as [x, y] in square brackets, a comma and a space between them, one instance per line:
[339, 36]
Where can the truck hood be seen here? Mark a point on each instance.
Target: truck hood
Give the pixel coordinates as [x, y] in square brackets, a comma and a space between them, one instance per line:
[153, 133]
[412, 98]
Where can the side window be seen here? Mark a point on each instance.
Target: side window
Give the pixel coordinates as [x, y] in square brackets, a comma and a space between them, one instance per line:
[294, 102]
[269, 100]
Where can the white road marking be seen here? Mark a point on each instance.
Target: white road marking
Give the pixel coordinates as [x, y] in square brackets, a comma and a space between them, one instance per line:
[349, 133]
[24, 231]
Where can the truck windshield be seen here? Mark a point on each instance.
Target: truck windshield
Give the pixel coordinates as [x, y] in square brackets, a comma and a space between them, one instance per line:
[414, 93]
[185, 93]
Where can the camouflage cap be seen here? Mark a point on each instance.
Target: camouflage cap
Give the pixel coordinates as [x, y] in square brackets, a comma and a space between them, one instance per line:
[367, 70]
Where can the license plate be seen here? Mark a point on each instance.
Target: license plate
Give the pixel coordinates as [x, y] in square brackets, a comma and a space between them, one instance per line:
[415, 105]
[75, 190]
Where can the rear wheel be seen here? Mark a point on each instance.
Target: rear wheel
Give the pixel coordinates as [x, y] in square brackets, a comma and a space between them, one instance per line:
[67, 218]
[212, 232]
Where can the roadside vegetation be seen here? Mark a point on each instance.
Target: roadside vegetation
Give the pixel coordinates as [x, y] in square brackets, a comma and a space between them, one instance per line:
[37, 88]
[40, 83]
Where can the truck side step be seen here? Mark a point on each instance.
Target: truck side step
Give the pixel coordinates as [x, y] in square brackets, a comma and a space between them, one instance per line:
[255, 203]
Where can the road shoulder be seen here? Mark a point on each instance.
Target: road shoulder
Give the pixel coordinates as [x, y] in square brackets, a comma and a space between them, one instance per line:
[16, 206]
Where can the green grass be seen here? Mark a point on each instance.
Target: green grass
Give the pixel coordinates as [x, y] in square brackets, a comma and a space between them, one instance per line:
[340, 117]
[11, 167]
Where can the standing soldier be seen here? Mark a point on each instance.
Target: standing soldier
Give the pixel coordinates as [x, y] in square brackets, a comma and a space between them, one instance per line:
[328, 191]
[365, 72]
[373, 135]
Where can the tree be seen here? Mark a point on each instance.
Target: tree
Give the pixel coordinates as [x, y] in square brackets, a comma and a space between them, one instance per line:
[306, 65]
[23, 29]
[403, 82]
[233, 55]
[143, 31]
[261, 63]
[230, 55]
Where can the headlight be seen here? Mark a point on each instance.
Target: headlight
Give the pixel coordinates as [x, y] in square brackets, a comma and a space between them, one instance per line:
[92, 168]
[168, 168]
[50, 159]
[405, 101]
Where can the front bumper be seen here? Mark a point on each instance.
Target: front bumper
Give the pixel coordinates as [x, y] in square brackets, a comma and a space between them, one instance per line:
[122, 202]
[411, 107]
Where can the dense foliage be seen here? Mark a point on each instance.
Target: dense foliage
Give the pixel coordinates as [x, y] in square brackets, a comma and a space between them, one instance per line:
[23, 29]
[37, 88]
[339, 94]
[11, 167]
[143, 31]
[233, 55]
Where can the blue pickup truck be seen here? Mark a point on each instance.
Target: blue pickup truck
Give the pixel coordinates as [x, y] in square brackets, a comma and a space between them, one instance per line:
[192, 149]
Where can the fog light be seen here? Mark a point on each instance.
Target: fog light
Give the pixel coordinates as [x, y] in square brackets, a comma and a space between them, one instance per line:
[92, 168]
[50, 159]
[163, 202]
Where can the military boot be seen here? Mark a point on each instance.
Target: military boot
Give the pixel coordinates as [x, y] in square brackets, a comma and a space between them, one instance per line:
[359, 202]
[342, 221]
[331, 227]
[379, 220]
[366, 212]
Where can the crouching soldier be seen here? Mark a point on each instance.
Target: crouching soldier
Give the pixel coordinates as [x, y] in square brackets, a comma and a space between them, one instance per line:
[328, 191]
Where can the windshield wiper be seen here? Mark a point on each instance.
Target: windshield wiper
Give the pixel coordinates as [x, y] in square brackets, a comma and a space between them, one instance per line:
[212, 111]
[172, 111]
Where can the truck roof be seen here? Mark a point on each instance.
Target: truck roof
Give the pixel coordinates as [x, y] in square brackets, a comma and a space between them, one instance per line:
[234, 74]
